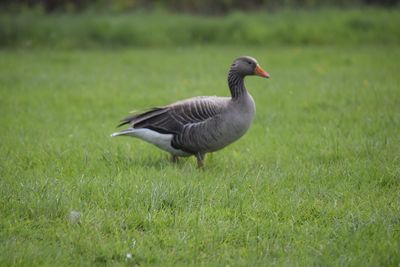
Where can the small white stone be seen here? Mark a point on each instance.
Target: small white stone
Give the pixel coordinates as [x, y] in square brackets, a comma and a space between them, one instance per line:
[74, 217]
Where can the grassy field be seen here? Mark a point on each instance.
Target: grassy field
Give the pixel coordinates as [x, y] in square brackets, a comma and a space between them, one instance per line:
[315, 182]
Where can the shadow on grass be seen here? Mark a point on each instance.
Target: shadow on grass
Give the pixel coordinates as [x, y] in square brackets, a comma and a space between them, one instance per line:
[157, 161]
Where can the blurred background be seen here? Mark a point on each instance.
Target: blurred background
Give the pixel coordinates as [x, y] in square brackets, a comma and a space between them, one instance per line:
[191, 6]
[123, 23]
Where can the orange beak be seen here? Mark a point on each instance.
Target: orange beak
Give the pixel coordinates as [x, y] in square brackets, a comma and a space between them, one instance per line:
[260, 72]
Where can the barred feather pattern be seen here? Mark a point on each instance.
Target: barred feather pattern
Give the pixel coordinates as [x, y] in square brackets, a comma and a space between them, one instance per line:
[236, 84]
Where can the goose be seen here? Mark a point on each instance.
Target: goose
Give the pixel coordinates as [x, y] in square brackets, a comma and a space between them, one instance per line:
[199, 125]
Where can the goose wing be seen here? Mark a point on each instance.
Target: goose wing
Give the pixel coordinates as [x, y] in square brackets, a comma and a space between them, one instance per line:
[173, 118]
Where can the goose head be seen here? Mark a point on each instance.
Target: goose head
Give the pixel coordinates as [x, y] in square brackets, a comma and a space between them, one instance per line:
[246, 65]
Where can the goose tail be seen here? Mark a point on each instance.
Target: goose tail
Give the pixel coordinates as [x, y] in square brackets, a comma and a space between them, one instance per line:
[129, 131]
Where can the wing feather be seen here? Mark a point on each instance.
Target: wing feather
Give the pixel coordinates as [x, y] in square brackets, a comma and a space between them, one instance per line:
[173, 118]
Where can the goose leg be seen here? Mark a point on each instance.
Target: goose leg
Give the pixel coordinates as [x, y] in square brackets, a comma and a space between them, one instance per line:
[174, 159]
[200, 160]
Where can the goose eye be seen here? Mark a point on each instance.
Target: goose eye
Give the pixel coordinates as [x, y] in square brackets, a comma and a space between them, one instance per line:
[249, 62]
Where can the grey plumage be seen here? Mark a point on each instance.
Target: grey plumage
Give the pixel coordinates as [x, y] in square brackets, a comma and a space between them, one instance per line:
[200, 125]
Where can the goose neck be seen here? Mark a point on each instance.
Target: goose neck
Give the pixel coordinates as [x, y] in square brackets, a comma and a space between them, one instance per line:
[236, 84]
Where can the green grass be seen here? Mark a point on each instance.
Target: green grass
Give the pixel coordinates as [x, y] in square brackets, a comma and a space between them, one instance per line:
[326, 26]
[315, 182]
